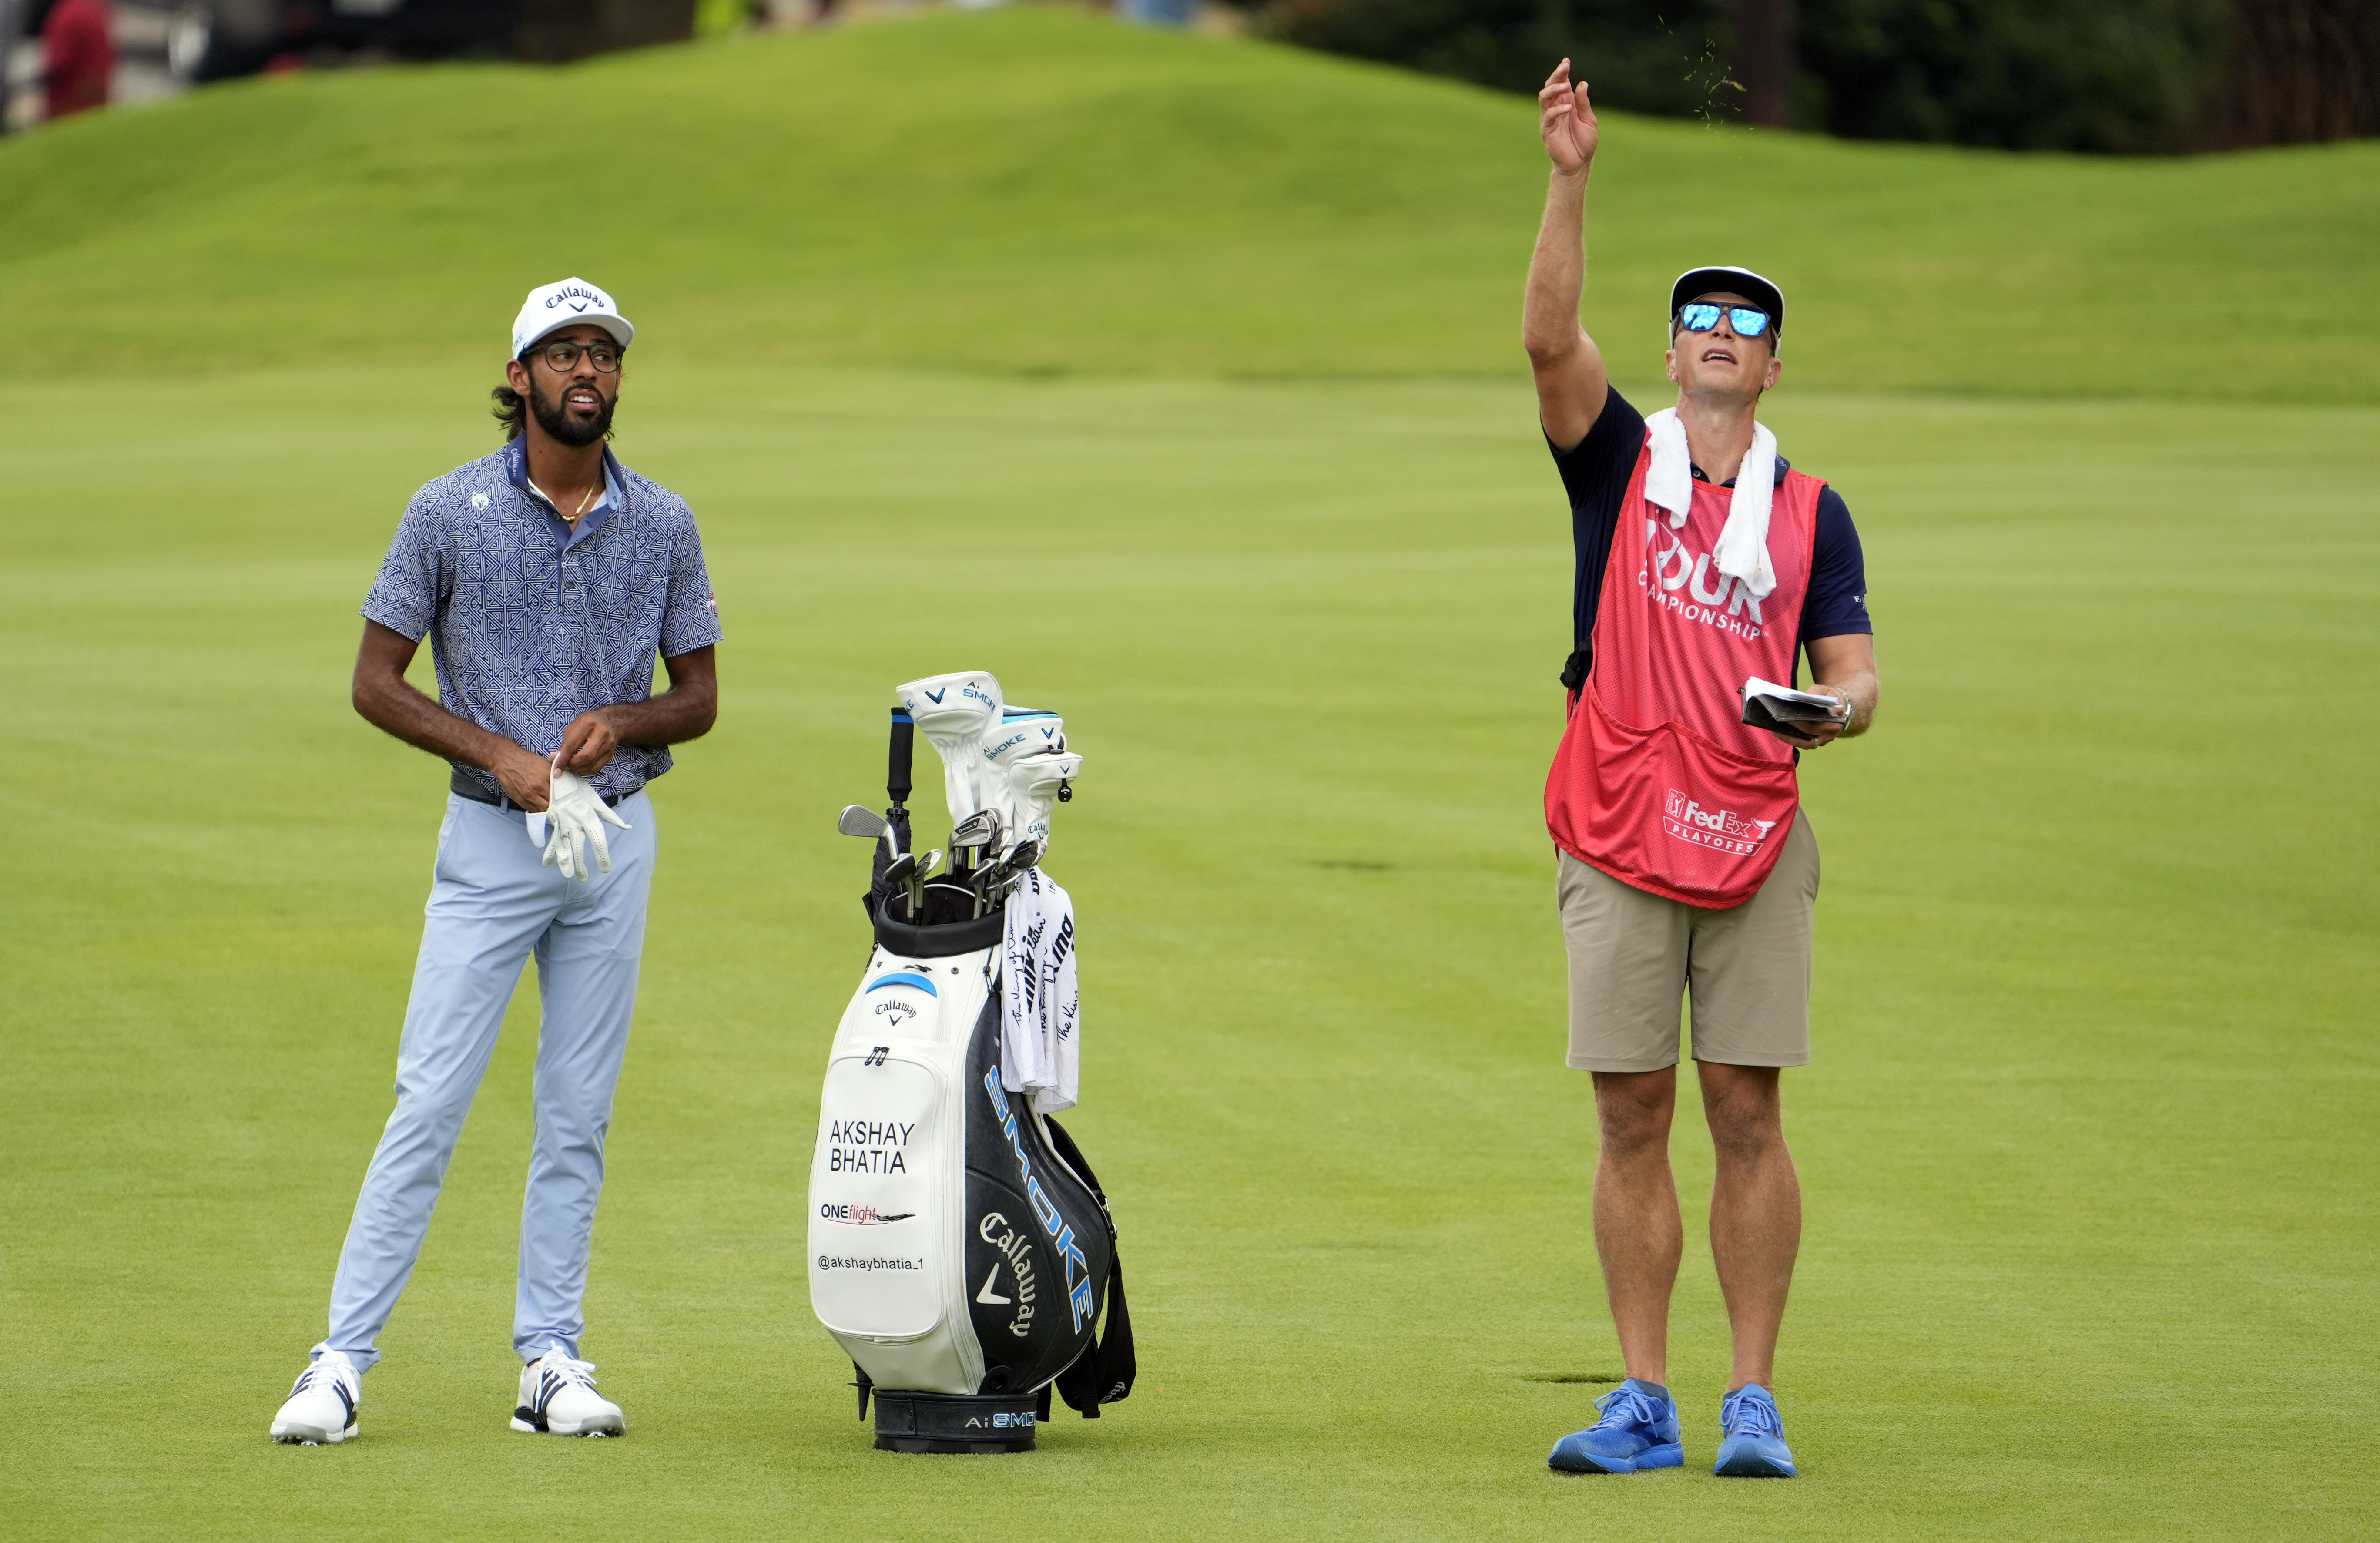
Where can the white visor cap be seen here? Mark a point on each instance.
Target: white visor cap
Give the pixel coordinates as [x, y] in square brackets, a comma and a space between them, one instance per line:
[567, 304]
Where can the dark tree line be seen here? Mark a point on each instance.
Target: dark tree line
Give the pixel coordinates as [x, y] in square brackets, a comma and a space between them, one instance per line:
[560, 30]
[2116, 75]
[2295, 72]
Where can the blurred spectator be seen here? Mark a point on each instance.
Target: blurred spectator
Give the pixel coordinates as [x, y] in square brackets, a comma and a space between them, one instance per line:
[78, 54]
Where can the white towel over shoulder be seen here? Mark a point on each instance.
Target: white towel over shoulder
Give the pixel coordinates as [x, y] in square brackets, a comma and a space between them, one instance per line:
[1040, 1039]
[1743, 550]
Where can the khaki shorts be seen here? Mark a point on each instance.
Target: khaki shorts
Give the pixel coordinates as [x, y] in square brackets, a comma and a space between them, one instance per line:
[1633, 954]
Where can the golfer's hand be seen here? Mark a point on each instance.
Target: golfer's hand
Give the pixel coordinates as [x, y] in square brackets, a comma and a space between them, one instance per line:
[526, 779]
[586, 744]
[1566, 121]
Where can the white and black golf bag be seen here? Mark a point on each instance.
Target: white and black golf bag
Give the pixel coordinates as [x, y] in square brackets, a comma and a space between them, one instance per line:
[961, 1250]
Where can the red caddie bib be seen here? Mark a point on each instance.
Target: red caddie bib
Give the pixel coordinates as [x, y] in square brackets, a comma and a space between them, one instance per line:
[1658, 783]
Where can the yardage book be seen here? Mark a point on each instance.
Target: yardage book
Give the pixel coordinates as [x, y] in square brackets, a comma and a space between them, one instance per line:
[1781, 709]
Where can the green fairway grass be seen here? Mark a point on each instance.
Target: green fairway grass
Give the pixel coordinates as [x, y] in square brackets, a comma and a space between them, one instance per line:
[2086, 1138]
[1247, 485]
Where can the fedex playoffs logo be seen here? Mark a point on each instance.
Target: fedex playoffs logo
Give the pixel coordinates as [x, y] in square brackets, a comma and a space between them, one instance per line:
[1687, 583]
[1721, 828]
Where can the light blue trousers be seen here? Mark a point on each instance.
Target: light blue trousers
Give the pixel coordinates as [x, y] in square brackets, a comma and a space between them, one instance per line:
[493, 904]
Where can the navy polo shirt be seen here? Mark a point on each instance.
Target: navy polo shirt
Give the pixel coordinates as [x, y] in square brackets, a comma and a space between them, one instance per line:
[1596, 472]
[532, 621]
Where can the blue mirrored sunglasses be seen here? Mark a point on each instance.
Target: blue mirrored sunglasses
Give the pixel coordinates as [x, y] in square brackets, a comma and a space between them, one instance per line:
[1701, 316]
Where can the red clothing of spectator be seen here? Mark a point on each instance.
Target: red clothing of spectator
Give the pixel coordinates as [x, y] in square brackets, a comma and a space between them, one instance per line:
[78, 55]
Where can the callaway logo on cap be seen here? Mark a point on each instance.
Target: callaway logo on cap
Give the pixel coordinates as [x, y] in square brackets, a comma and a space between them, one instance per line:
[567, 304]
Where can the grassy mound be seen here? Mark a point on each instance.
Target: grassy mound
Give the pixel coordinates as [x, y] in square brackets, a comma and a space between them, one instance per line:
[1043, 191]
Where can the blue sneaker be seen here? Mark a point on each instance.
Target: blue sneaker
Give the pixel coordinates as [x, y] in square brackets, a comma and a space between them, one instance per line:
[1639, 1429]
[1751, 1440]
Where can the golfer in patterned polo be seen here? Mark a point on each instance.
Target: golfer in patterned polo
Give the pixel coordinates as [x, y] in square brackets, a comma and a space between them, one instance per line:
[546, 577]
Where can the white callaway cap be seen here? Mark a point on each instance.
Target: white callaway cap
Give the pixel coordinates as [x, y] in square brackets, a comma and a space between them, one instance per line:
[567, 304]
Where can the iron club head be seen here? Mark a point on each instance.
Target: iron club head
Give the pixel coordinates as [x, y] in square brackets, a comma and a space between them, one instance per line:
[995, 879]
[857, 819]
[978, 831]
[911, 868]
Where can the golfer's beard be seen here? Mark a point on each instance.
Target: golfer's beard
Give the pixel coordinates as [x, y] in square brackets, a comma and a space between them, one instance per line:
[555, 419]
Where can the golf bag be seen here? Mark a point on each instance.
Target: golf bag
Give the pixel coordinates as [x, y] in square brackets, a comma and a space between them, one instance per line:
[960, 1249]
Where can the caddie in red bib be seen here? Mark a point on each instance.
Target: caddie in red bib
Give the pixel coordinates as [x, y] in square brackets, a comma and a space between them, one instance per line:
[1658, 783]
[1708, 571]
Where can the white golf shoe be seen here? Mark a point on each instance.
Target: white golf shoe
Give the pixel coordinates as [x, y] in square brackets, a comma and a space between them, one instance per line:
[321, 1410]
[558, 1397]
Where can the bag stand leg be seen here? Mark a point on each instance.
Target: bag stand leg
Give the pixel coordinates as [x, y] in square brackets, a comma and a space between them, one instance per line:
[955, 1422]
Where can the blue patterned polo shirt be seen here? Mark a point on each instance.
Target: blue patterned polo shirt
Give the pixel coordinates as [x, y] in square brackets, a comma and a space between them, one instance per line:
[531, 622]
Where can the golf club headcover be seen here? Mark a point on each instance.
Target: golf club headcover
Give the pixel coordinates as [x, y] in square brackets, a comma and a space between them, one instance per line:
[953, 711]
[1021, 731]
[1034, 782]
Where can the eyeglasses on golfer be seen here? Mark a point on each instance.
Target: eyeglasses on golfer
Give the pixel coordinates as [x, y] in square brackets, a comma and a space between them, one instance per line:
[1701, 316]
[562, 356]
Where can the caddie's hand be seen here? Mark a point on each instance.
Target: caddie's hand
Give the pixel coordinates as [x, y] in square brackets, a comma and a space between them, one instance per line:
[576, 818]
[526, 778]
[588, 744]
[1566, 121]
[1822, 735]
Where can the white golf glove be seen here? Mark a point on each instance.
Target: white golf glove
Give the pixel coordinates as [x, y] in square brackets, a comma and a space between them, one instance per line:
[953, 711]
[575, 816]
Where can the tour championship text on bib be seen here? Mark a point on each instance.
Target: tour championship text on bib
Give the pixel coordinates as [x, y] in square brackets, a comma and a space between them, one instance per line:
[1658, 781]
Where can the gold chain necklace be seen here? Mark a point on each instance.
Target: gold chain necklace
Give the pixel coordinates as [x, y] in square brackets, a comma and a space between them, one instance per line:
[572, 518]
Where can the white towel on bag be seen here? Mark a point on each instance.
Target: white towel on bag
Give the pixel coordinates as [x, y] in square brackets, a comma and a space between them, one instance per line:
[1743, 550]
[1040, 1039]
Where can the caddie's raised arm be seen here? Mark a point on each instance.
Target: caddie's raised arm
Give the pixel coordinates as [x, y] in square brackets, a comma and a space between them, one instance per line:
[1571, 382]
